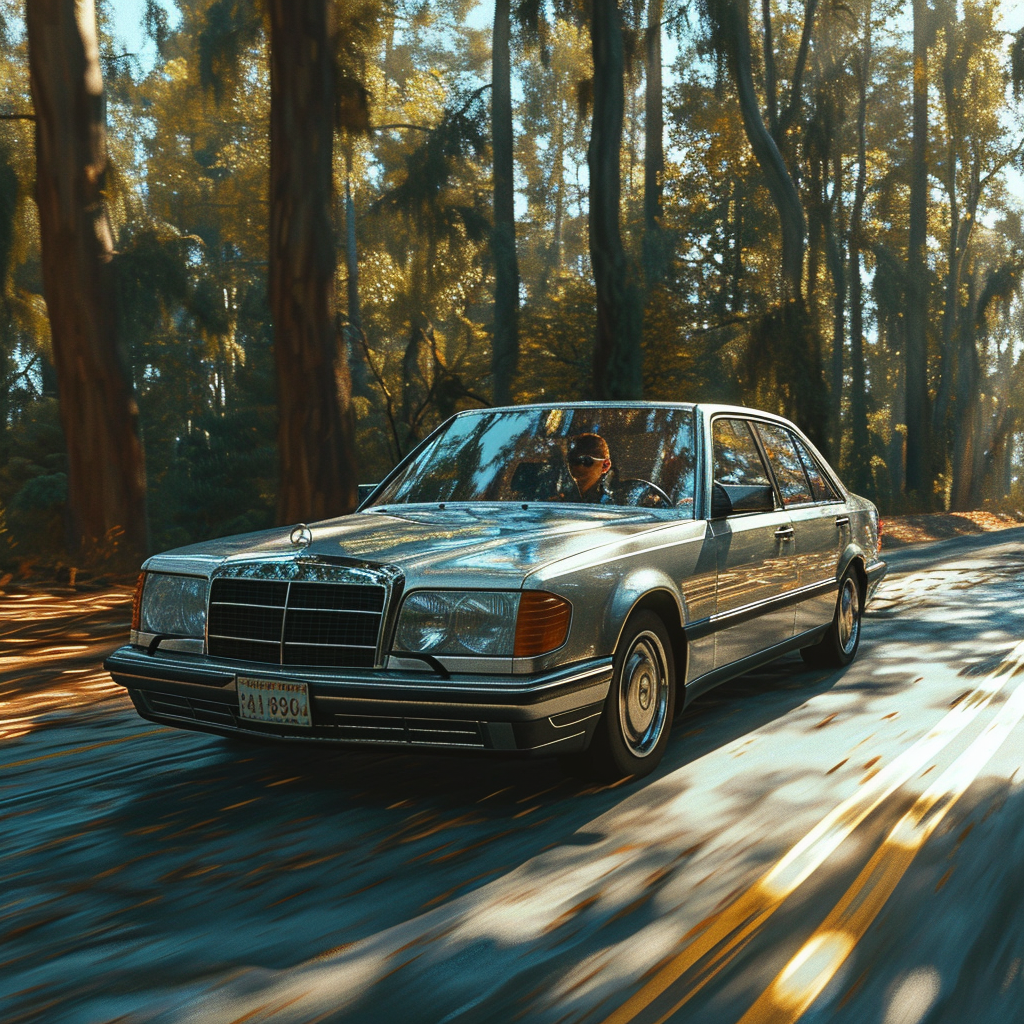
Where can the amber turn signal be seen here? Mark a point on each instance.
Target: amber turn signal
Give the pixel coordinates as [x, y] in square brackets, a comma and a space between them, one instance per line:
[542, 623]
[137, 602]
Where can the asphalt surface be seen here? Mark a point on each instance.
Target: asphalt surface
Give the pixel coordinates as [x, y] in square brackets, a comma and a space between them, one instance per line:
[820, 846]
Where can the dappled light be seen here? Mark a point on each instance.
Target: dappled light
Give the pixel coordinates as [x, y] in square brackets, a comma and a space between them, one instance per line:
[402, 343]
[752, 874]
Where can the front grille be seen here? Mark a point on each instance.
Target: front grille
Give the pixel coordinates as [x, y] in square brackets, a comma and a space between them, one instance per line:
[173, 705]
[295, 623]
[413, 731]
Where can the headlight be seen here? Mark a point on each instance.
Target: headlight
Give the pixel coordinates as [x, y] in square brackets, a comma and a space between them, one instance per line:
[496, 624]
[459, 622]
[174, 605]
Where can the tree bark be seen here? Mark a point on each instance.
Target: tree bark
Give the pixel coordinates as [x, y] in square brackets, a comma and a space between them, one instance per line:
[617, 360]
[837, 270]
[766, 152]
[965, 449]
[505, 344]
[918, 434]
[558, 188]
[654, 150]
[358, 370]
[316, 432]
[860, 464]
[98, 410]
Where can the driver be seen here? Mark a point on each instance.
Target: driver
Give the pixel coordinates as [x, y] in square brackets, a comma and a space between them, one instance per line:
[589, 463]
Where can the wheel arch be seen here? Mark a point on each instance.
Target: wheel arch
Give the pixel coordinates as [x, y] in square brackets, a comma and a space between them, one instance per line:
[854, 558]
[664, 603]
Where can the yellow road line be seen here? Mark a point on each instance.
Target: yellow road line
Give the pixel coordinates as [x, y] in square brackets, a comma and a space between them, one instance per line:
[800, 982]
[85, 749]
[720, 937]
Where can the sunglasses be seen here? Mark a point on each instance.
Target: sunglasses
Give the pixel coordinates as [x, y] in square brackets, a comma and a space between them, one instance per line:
[583, 460]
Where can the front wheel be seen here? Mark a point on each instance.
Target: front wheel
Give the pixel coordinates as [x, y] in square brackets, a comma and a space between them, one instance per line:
[839, 645]
[633, 731]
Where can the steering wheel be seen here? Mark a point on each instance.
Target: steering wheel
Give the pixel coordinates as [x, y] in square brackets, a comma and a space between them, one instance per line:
[659, 493]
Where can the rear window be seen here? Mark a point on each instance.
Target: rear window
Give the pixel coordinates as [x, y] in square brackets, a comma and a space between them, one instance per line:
[821, 488]
[780, 447]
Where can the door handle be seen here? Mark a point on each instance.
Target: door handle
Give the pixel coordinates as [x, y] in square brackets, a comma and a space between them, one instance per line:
[784, 533]
[842, 520]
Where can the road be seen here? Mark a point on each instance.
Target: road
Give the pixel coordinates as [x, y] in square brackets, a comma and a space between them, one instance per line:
[819, 846]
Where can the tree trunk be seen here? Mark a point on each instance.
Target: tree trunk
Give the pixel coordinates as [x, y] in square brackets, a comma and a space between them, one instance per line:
[837, 270]
[99, 414]
[896, 455]
[558, 190]
[918, 433]
[965, 450]
[505, 344]
[769, 159]
[654, 150]
[358, 370]
[316, 433]
[617, 360]
[860, 465]
[736, 274]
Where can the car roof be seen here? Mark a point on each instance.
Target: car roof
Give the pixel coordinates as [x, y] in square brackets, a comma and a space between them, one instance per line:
[624, 404]
[710, 408]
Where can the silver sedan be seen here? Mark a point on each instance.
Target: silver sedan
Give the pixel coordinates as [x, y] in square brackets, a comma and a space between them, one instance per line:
[545, 579]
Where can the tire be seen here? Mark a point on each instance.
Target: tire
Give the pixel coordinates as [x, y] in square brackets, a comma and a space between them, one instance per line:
[839, 645]
[633, 731]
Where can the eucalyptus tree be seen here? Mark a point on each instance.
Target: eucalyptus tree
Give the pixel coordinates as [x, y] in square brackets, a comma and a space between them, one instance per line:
[860, 463]
[316, 429]
[505, 334]
[656, 245]
[784, 344]
[973, 145]
[99, 413]
[617, 357]
[918, 454]
[309, 98]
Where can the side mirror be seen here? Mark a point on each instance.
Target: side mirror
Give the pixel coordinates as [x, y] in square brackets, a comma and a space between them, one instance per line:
[721, 504]
[365, 490]
[730, 499]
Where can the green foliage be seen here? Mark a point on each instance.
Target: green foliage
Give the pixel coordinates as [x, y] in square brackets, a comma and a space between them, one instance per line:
[189, 204]
[33, 485]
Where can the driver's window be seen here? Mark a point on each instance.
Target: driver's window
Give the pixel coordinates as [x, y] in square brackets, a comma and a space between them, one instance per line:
[741, 481]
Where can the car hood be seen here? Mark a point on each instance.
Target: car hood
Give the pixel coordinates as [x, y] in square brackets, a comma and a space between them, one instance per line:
[470, 545]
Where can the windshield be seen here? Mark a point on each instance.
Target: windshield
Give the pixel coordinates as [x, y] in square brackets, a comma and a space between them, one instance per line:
[625, 456]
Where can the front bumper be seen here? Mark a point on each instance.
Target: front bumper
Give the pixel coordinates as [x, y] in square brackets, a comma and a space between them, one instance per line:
[554, 712]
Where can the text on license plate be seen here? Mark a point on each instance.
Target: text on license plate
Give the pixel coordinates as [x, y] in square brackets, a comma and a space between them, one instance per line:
[271, 700]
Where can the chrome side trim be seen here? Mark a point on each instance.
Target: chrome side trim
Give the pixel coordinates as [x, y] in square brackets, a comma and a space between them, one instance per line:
[748, 611]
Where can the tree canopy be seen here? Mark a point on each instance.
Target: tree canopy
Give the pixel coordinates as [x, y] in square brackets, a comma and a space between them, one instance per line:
[763, 237]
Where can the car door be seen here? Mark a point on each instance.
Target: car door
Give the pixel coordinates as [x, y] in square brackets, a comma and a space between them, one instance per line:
[820, 529]
[828, 529]
[753, 539]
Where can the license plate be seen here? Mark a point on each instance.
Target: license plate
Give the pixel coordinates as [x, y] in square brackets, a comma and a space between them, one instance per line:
[270, 700]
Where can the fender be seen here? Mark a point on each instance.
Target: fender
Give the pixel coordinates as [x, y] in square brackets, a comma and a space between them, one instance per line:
[852, 552]
[629, 592]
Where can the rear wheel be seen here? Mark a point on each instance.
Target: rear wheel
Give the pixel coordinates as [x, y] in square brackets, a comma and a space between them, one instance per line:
[633, 731]
[839, 645]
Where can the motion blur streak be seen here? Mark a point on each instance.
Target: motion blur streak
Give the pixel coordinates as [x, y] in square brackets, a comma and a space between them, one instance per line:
[807, 974]
[85, 749]
[724, 934]
[70, 635]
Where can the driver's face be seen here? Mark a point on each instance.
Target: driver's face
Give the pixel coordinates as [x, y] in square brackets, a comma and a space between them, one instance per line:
[587, 470]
